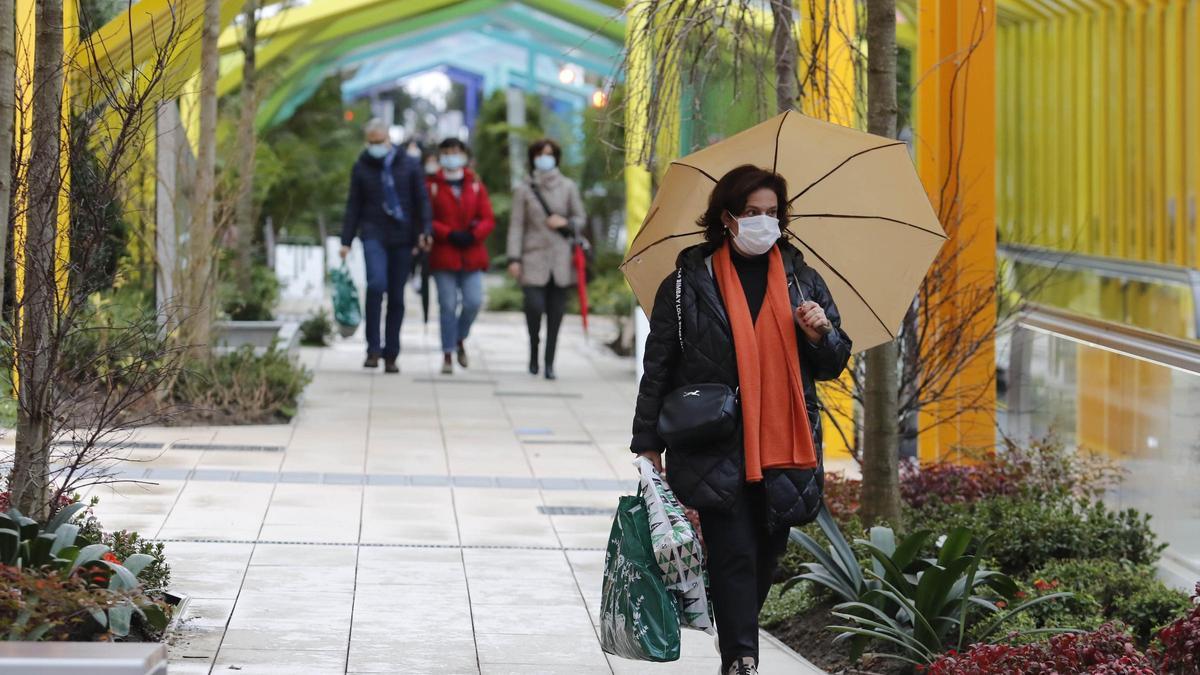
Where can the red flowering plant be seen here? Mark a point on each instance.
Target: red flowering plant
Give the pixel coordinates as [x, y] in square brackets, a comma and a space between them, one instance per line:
[1178, 647]
[1106, 650]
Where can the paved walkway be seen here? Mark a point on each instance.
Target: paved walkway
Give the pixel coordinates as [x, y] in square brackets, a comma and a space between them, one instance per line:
[417, 523]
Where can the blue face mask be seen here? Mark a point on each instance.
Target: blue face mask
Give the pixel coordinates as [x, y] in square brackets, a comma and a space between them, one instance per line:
[544, 162]
[378, 150]
[453, 162]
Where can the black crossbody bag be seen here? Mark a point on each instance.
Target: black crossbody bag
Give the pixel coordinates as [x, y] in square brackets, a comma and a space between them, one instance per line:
[696, 415]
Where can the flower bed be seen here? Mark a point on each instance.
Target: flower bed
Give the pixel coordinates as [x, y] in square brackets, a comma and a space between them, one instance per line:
[68, 580]
[1015, 548]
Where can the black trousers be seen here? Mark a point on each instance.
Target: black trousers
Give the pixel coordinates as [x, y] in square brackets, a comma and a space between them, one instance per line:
[742, 556]
[549, 300]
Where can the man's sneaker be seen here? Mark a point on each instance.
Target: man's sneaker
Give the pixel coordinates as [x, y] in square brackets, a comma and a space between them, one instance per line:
[372, 361]
[462, 355]
[743, 666]
[447, 365]
[390, 366]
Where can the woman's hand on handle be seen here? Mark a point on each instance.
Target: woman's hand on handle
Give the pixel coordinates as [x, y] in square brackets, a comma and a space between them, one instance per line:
[655, 458]
[812, 320]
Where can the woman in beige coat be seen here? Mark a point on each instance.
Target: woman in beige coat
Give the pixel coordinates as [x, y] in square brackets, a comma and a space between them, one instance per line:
[547, 216]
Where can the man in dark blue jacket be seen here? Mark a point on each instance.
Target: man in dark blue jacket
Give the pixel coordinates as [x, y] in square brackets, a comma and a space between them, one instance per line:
[388, 209]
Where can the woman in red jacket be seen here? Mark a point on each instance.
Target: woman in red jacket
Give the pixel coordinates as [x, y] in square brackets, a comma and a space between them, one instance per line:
[462, 220]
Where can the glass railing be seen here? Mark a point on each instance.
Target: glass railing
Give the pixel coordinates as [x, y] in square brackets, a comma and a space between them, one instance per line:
[1129, 394]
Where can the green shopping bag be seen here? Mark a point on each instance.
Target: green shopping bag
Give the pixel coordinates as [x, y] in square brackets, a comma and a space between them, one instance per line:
[638, 615]
[346, 310]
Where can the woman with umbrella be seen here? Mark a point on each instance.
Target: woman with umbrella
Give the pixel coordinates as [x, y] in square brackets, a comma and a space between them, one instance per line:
[742, 310]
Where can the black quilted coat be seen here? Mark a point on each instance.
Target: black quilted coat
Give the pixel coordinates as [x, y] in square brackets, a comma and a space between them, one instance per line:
[711, 479]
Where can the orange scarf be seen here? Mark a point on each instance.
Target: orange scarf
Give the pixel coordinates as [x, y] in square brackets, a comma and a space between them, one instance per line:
[774, 414]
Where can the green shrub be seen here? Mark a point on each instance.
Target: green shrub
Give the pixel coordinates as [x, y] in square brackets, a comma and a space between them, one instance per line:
[1119, 591]
[782, 605]
[243, 387]
[317, 329]
[252, 302]
[1032, 532]
[506, 297]
[155, 576]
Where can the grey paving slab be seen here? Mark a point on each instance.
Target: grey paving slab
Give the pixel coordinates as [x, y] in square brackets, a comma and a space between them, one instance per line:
[436, 524]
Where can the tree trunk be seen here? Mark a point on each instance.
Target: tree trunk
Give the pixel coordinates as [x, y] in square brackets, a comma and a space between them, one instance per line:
[247, 144]
[880, 499]
[784, 41]
[8, 76]
[31, 466]
[199, 278]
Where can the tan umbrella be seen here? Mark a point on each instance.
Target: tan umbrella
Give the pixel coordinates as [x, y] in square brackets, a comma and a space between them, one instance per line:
[858, 213]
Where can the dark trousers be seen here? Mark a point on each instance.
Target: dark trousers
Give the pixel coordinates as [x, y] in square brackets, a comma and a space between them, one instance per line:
[551, 301]
[742, 556]
[388, 267]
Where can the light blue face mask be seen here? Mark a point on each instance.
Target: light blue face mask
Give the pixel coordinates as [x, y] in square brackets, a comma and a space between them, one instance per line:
[378, 150]
[544, 162]
[453, 162]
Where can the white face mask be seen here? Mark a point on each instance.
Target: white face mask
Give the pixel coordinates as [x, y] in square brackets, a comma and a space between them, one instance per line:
[756, 234]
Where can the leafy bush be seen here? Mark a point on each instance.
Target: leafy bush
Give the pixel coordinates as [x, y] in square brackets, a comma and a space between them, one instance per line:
[506, 297]
[317, 329]
[782, 605]
[156, 575]
[1105, 650]
[1035, 531]
[912, 605]
[255, 301]
[1178, 648]
[1110, 590]
[1045, 468]
[48, 605]
[243, 386]
[54, 549]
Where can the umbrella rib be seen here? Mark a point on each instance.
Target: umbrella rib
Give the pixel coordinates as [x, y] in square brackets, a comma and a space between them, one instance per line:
[778, 133]
[844, 279]
[697, 169]
[631, 256]
[843, 163]
[861, 217]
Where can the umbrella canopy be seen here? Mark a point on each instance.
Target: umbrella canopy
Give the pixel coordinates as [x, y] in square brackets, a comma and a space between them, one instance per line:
[857, 211]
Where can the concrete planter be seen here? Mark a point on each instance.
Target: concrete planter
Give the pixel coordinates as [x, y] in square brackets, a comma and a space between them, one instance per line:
[262, 335]
[94, 658]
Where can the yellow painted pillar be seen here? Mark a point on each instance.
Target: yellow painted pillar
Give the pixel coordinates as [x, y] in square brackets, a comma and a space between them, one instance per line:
[637, 98]
[831, 94]
[830, 91]
[956, 150]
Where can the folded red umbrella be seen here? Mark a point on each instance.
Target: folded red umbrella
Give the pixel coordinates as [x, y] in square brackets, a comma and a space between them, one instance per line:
[580, 259]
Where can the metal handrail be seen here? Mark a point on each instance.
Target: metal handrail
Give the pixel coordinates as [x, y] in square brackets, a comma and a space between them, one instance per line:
[1171, 352]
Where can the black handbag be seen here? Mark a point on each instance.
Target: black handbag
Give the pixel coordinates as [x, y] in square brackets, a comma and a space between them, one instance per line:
[698, 415]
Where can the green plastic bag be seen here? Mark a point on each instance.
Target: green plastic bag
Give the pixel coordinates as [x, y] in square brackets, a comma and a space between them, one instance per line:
[346, 310]
[638, 616]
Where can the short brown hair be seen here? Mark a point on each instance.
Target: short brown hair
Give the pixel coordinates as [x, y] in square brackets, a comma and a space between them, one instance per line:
[539, 146]
[731, 193]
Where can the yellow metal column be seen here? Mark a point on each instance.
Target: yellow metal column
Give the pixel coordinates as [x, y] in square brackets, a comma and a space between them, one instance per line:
[832, 96]
[637, 96]
[26, 13]
[956, 142]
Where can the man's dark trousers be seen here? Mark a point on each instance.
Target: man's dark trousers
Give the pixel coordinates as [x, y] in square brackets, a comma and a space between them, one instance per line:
[388, 267]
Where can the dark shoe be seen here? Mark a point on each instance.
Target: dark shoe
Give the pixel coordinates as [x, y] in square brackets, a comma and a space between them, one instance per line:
[533, 361]
[372, 361]
[447, 364]
[550, 373]
[462, 355]
[390, 366]
[743, 666]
